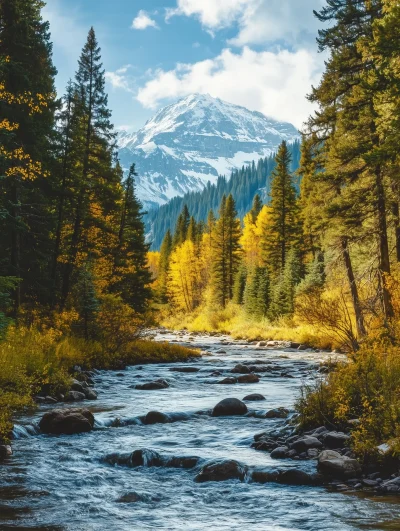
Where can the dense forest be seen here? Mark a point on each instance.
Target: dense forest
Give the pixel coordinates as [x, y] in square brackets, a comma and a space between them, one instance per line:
[323, 263]
[243, 184]
[315, 257]
[74, 279]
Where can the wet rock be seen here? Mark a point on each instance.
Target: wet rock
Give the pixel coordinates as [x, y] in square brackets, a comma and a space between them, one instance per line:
[248, 378]
[185, 369]
[221, 471]
[333, 440]
[156, 417]
[277, 413]
[280, 452]
[145, 457]
[90, 394]
[261, 476]
[150, 386]
[338, 466]
[50, 400]
[5, 452]
[228, 381]
[130, 497]
[76, 386]
[229, 406]
[74, 396]
[294, 476]
[392, 485]
[370, 482]
[241, 369]
[183, 462]
[67, 421]
[254, 397]
[305, 443]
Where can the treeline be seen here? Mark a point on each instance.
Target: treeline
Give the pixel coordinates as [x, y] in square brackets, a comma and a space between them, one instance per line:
[71, 227]
[243, 184]
[328, 257]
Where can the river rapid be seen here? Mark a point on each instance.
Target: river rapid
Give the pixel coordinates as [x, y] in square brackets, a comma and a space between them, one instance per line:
[65, 483]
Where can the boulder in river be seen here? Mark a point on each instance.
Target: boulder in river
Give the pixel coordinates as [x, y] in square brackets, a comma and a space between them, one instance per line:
[293, 476]
[74, 396]
[185, 369]
[221, 471]
[156, 417]
[338, 466]
[305, 443]
[67, 421]
[334, 439]
[228, 381]
[150, 386]
[229, 406]
[248, 378]
[254, 397]
[241, 369]
[277, 413]
[145, 457]
[90, 394]
[280, 452]
[5, 451]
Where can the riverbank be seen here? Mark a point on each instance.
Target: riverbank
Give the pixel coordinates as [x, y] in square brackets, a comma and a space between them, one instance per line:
[45, 366]
[155, 458]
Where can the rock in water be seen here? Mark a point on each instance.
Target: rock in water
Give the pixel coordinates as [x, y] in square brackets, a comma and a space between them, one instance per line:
[241, 369]
[338, 466]
[221, 471]
[67, 421]
[74, 396]
[248, 378]
[150, 386]
[277, 413]
[294, 476]
[156, 417]
[229, 406]
[254, 397]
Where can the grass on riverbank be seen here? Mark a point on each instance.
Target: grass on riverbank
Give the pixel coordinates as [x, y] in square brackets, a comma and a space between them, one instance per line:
[234, 321]
[367, 389]
[32, 360]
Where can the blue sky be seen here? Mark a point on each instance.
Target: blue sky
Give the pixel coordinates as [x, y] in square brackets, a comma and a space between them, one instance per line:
[257, 53]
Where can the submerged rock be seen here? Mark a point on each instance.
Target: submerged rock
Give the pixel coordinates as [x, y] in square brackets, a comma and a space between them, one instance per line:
[241, 369]
[5, 451]
[185, 369]
[67, 421]
[145, 457]
[229, 406]
[277, 413]
[228, 381]
[248, 378]
[221, 471]
[150, 386]
[254, 397]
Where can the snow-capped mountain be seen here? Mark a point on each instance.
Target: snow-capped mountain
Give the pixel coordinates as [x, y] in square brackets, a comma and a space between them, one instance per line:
[191, 142]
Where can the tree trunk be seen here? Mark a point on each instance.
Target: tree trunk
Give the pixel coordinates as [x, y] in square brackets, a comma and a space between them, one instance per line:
[384, 260]
[361, 332]
[396, 216]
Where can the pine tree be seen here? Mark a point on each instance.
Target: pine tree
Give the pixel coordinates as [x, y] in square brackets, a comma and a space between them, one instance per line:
[315, 277]
[27, 105]
[130, 263]
[256, 208]
[257, 293]
[98, 185]
[284, 214]
[284, 291]
[87, 301]
[240, 285]
[226, 249]
[182, 226]
[165, 254]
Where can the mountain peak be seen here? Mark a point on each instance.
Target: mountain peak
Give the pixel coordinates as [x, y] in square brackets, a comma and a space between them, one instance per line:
[194, 140]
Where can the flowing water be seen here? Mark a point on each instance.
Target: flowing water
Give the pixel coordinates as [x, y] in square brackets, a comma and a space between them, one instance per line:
[63, 483]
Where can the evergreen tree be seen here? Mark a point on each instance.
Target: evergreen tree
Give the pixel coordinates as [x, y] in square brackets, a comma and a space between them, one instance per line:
[165, 254]
[27, 105]
[283, 292]
[284, 213]
[256, 207]
[130, 264]
[192, 232]
[182, 226]
[315, 277]
[87, 302]
[226, 251]
[98, 186]
[257, 293]
[240, 285]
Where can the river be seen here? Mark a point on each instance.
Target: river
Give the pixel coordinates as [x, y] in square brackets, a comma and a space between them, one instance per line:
[64, 483]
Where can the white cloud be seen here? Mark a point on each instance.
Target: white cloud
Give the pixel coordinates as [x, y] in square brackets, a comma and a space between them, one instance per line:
[274, 83]
[259, 21]
[143, 21]
[119, 79]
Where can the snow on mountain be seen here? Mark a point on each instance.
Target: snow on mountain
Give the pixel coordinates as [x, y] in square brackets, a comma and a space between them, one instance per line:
[195, 140]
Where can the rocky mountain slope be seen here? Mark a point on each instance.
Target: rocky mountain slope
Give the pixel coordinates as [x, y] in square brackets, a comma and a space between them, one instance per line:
[192, 142]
